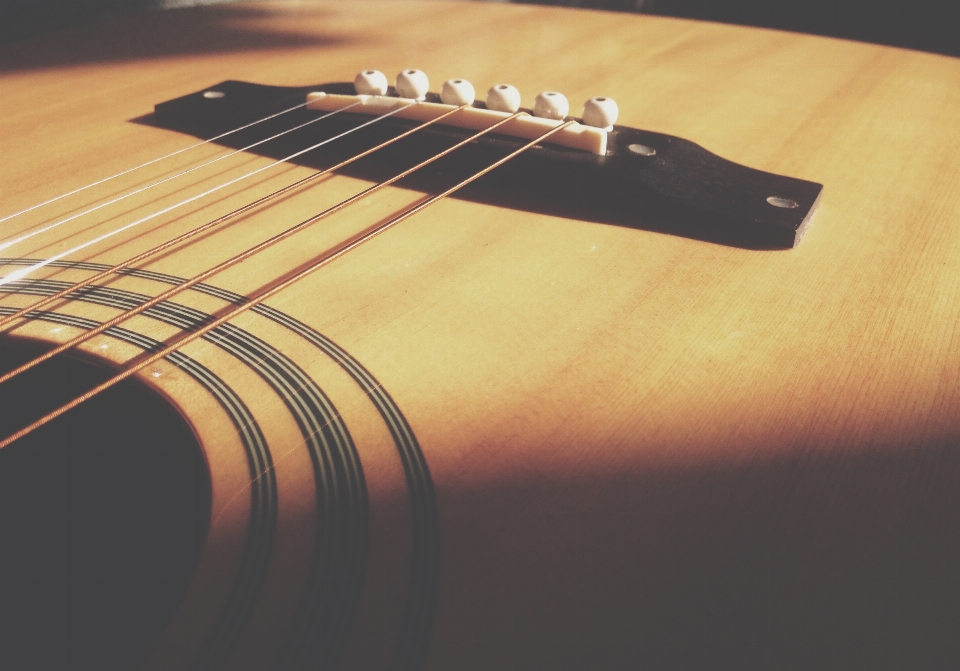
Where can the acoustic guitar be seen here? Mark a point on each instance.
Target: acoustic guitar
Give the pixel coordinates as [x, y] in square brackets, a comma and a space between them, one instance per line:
[573, 394]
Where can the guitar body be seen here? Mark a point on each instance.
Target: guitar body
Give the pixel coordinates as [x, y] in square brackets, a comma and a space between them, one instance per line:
[491, 437]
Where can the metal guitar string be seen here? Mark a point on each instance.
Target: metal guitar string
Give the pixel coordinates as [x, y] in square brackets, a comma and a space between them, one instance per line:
[320, 262]
[150, 162]
[23, 272]
[215, 222]
[112, 201]
[223, 265]
[176, 289]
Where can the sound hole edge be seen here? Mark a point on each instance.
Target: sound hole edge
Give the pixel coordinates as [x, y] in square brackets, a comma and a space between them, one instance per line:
[103, 514]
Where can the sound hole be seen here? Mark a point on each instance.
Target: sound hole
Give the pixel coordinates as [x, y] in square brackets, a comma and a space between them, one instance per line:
[103, 513]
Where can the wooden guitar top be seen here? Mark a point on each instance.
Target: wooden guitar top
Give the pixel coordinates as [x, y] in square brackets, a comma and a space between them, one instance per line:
[602, 446]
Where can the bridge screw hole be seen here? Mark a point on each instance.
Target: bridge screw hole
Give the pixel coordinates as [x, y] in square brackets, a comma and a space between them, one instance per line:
[784, 203]
[642, 149]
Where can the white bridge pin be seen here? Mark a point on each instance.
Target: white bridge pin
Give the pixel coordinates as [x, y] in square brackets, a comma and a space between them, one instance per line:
[551, 105]
[370, 83]
[457, 92]
[600, 113]
[503, 98]
[412, 84]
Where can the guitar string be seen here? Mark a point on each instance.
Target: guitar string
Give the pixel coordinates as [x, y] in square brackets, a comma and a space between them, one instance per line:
[150, 162]
[215, 222]
[142, 189]
[23, 272]
[320, 262]
[223, 265]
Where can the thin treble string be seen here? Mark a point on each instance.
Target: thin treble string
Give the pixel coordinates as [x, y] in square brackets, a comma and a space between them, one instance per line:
[49, 227]
[223, 265]
[151, 162]
[219, 220]
[323, 260]
[23, 272]
[100, 328]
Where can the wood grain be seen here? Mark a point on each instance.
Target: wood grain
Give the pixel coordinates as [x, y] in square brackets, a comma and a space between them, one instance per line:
[646, 448]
